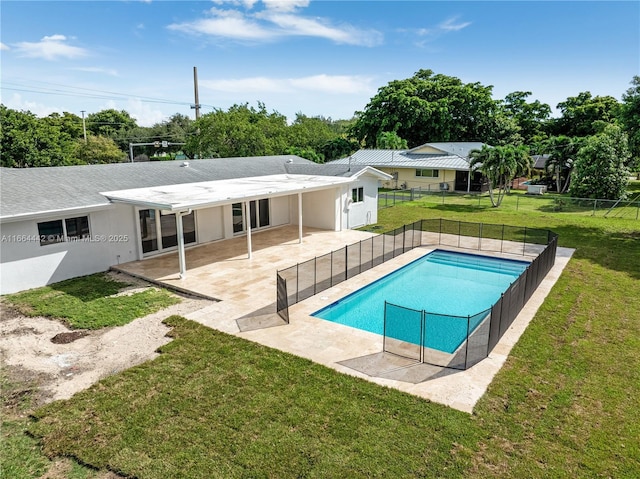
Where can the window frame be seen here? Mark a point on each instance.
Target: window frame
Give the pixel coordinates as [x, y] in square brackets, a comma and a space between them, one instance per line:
[357, 194]
[63, 236]
[435, 173]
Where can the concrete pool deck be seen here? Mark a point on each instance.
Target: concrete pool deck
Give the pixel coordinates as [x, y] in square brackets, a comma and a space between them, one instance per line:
[247, 310]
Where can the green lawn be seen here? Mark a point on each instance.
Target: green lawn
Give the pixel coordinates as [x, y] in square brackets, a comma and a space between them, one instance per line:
[213, 405]
[89, 302]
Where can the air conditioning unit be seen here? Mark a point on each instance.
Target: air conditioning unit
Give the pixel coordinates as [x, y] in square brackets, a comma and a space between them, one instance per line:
[444, 186]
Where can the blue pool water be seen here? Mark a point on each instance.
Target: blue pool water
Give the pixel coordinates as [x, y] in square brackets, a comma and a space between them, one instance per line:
[443, 283]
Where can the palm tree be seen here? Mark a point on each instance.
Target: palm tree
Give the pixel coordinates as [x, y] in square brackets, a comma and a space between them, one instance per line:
[500, 165]
[563, 150]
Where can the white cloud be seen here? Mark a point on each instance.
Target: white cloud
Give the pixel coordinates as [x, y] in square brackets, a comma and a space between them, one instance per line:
[450, 25]
[50, 48]
[16, 102]
[289, 24]
[144, 114]
[327, 84]
[3, 46]
[227, 24]
[106, 71]
[285, 5]
[447, 26]
[277, 20]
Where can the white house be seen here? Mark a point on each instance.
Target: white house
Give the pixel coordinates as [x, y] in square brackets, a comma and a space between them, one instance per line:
[432, 166]
[62, 222]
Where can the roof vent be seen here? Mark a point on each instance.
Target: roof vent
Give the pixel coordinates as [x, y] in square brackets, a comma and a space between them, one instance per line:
[290, 160]
[185, 164]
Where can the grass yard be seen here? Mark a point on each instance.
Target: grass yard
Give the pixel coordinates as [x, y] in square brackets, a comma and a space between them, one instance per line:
[90, 302]
[213, 405]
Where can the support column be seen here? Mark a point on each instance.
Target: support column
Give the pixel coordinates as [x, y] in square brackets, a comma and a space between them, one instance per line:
[181, 257]
[247, 218]
[299, 217]
[469, 181]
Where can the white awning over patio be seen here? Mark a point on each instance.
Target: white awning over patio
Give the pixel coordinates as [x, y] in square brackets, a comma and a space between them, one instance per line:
[181, 199]
[215, 193]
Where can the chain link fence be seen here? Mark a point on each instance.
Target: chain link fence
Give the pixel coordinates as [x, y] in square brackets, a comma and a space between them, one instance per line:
[547, 203]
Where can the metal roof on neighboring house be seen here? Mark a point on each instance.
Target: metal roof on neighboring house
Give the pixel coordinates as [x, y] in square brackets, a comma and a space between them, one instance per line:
[30, 191]
[405, 159]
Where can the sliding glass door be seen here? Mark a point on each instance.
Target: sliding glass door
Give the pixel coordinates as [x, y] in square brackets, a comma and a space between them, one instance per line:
[154, 225]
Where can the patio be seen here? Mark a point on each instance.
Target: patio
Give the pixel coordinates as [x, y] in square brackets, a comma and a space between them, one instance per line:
[222, 270]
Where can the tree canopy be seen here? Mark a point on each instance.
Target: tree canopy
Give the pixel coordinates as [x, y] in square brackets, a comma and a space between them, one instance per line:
[599, 170]
[431, 107]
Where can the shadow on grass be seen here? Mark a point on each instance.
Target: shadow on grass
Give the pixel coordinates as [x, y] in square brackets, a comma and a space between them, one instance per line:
[619, 251]
[89, 288]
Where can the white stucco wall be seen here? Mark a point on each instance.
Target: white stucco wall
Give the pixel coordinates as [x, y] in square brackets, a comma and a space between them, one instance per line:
[319, 209]
[365, 212]
[26, 264]
[210, 224]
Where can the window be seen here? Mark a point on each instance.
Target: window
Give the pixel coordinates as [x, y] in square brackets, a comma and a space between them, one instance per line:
[154, 225]
[51, 232]
[59, 231]
[259, 216]
[357, 195]
[77, 228]
[428, 173]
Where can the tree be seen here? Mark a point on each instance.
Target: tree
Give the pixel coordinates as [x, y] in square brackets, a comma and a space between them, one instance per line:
[599, 170]
[240, 131]
[98, 149]
[338, 148]
[531, 118]
[630, 118]
[113, 124]
[28, 141]
[429, 108]
[581, 114]
[310, 132]
[308, 153]
[389, 140]
[562, 154]
[500, 165]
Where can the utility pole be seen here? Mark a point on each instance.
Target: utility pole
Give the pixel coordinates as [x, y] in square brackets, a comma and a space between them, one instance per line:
[84, 126]
[195, 89]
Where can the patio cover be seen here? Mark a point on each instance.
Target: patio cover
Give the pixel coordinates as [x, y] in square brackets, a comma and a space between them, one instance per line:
[183, 198]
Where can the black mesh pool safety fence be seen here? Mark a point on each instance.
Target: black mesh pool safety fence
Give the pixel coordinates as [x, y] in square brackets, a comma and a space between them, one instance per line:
[409, 332]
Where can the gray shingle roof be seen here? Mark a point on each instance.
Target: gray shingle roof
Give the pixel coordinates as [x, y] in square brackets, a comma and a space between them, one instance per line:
[27, 191]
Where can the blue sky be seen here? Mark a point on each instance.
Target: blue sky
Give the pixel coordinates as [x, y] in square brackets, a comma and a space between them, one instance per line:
[315, 57]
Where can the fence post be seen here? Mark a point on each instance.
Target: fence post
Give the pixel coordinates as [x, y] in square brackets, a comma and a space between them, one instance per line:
[459, 225]
[595, 202]
[480, 239]
[360, 259]
[524, 242]
[517, 202]
[466, 346]
[404, 236]
[346, 262]
[297, 281]
[315, 275]
[423, 328]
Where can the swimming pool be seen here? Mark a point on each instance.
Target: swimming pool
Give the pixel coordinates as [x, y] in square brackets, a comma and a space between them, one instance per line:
[442, 283]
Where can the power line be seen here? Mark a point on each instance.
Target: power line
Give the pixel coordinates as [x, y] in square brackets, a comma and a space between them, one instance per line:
[81, 92]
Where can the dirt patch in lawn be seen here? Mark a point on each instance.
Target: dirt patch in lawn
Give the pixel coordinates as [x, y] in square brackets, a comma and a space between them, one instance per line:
[44, 354]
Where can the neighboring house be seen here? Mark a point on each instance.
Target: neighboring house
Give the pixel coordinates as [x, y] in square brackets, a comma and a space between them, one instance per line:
[432, 166]
[62, 222]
